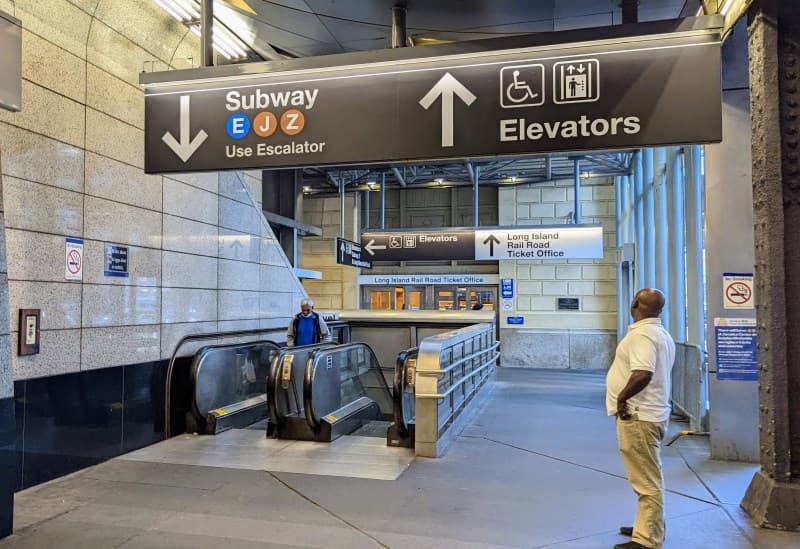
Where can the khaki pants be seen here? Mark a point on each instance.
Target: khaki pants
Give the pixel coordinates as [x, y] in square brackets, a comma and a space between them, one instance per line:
[640, 447]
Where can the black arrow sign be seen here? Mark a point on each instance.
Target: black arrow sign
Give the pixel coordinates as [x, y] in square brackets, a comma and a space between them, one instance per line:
[491, 240]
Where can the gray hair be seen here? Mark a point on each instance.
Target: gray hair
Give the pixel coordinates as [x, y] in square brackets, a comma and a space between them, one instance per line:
[308, 302]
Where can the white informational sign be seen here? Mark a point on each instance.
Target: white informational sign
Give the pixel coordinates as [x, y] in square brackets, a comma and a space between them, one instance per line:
[559, 242]
[737, 291]
[73, 259]
[426, 279]
[508, 305]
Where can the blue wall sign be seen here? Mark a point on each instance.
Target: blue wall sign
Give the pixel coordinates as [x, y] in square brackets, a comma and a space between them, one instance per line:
[507, 288]
[116, 263]
[515, 320]
[736, 343]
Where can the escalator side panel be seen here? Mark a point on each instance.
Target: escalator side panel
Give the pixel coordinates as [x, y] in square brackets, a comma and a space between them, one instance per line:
[222, 376]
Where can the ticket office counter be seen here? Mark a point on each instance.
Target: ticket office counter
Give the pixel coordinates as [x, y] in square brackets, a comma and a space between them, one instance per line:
[428, 297]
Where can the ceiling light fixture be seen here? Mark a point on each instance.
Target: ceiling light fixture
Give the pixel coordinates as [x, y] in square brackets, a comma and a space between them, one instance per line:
[306, 189]
[187, 12]
[726, 6]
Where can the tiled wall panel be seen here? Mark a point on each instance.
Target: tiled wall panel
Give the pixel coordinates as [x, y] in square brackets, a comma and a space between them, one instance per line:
[567, 334]
[71, 167]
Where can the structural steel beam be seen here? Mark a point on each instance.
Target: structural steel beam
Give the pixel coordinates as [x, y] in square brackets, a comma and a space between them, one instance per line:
[773, 498]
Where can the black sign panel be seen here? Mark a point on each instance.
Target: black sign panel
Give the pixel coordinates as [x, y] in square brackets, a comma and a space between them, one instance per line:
[569, 304]
[419, 245]
[350, 253]
[116, 261]
[604, 96]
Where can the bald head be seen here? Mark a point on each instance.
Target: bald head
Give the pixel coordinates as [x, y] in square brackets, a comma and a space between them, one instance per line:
[648, 303]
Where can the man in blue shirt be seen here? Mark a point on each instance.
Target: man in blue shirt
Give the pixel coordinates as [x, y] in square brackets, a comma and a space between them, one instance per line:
[307, 327]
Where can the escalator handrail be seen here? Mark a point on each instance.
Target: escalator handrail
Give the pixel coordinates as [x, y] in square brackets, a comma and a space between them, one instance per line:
[311, 368]
[198, 359]
[273, 381]
[400, 373]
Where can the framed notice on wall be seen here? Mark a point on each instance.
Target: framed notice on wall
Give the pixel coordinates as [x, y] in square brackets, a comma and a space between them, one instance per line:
[736, 343]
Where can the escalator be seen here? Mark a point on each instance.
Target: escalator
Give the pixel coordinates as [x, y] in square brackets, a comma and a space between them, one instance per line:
[285, 392]
[344, 392]
[228, 384]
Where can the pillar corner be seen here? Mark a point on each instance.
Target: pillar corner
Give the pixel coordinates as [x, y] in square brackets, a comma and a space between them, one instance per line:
[773, 504]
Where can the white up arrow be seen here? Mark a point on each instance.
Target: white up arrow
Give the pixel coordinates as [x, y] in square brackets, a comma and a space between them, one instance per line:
[186, 147]
[372, 246]
[447, 87]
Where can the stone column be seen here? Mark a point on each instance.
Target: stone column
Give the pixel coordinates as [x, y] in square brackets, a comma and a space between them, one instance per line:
[8, 428]
[773, 498]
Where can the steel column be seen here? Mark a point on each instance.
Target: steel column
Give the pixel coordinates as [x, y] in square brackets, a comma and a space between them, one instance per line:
[206, 33]
[677, 224]
[356, 215]
[476, 170]
[383, 201]
[661, 229]
[774, 33]
[639, 227]
[398, 26]
[648, 199]
[630, 11]
[619, 208]
[577, 214]
[367, 206]
[695, 276]
[341, 208]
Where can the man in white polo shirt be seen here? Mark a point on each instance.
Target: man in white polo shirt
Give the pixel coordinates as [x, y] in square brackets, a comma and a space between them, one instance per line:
[637, 393]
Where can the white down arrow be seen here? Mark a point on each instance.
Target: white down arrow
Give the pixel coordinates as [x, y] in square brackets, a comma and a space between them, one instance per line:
[186, 147]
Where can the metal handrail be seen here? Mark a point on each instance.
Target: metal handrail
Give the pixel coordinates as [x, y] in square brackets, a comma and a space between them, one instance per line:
[171, 366]
[460, 382]
[460, 361]
[398, 386]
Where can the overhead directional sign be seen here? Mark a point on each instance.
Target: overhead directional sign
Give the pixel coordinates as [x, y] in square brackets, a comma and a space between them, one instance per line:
[560, 242]
[626, 92]
[490, 244]
[419, 245]
[350, 253]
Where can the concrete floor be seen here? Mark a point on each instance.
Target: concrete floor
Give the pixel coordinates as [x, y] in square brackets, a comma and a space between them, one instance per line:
[536, 466]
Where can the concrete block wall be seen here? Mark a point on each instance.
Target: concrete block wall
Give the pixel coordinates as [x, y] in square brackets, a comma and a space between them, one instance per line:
[338, 288]
[430, 208]
[550, 338]
[202, 257]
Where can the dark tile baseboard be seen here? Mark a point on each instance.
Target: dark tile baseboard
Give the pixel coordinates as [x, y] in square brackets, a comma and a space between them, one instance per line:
[68, 422]
[8, 465]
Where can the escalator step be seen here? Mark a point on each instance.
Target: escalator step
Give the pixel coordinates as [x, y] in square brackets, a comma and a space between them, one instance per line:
[376, 429]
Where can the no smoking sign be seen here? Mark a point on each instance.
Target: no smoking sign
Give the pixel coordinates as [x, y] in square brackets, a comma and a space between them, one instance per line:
[737, 291]
[73, 259]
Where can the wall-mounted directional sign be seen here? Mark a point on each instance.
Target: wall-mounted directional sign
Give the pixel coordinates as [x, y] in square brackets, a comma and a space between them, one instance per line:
[492, 243]
[647, 90]
[560, 242]
[351, 254]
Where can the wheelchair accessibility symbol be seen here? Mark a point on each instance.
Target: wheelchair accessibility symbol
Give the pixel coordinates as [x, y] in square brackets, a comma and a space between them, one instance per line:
[522, 86]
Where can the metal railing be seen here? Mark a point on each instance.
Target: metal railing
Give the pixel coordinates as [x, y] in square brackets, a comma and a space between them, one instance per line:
[171, 366]
[451, 369]
[689, 384]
